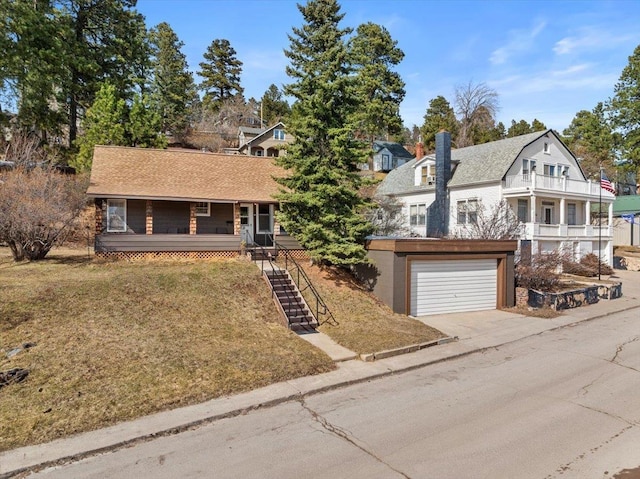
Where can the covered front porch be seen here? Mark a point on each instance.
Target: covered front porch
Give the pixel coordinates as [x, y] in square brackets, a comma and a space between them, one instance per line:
[152, 225]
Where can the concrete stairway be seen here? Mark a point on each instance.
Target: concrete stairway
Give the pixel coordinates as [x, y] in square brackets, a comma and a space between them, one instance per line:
[292, 303]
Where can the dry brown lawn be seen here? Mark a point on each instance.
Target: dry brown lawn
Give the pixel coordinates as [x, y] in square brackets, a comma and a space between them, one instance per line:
[115, 341]
[365, 324]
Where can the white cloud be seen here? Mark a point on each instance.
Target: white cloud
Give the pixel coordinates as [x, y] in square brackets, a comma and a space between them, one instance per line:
[589, 39]
[520, 41]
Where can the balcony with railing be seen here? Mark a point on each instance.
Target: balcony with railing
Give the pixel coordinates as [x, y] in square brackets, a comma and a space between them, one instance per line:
[541, 230]
[543, 183]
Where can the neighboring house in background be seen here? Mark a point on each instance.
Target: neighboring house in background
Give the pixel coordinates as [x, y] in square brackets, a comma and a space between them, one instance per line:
[536, 174]
[246, 133]
[174, 202]
[626, 220]
[267, 142]
[388, 156]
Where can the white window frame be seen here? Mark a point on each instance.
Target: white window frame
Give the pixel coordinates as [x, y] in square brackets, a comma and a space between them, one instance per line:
[550, 170]
[467, 211]
[546, 149]
[112, 203]
[523, 210]
[572, 214]
[278, 135]
[203, 212]
[418, 214]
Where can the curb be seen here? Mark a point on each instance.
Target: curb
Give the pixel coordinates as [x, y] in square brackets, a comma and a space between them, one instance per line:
[387, 353]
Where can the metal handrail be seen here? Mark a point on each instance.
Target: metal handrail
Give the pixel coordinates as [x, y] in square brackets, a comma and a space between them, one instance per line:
[279, 279]
[321, 306]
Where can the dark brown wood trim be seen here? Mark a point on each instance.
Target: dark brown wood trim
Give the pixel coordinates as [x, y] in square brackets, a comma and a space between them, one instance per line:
[426, 245]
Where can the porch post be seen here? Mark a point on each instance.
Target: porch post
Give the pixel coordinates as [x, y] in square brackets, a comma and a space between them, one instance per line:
[533, 209]
[610, 219]
[100, 209]
[193, 220]
[562, 212]
[149, 218]
[236, 218]
[587, 216]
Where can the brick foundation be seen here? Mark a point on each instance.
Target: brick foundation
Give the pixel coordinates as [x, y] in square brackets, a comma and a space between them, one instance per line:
[165, 255]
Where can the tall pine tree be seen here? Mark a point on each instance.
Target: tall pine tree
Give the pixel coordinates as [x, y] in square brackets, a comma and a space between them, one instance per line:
[221, 73]
[172, 86]
[273, 106]
[625, 109]
[374, 54]
[320, 204]
[439, 116]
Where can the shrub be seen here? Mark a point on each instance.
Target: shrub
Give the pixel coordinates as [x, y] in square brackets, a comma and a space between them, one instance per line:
[542, 274]
[588, 266]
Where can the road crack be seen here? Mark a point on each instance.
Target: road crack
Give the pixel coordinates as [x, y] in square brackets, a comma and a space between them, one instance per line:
[346, 436]
[620, 348]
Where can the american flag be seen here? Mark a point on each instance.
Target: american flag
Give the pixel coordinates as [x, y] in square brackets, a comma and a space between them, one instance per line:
[605, 184]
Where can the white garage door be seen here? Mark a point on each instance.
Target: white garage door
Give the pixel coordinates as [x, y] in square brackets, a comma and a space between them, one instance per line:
[451, 286]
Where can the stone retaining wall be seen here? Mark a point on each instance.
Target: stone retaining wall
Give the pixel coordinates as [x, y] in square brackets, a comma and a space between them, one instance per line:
[575, 298]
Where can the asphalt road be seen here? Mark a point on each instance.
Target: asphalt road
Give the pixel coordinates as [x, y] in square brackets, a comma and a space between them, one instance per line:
[562, 404]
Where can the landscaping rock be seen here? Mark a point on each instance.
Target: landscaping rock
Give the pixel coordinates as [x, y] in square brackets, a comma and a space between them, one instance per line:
[12, 376]
[16, 350]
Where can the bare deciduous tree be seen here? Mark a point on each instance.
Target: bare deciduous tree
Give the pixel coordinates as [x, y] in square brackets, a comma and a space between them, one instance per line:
[498, 223]
[386, 217]
[39, 205]
[219, 129]
[475, 105]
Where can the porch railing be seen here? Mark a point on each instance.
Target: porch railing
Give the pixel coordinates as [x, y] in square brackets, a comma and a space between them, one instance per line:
[544, 182]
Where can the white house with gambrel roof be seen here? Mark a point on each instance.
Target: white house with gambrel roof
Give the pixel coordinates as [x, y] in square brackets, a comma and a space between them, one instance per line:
[536, 174]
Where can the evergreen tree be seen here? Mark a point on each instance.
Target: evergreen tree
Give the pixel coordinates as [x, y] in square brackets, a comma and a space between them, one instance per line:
[520, 128]
[104, 124]
[439, 116]
[144, 128]
[381, 90]
[30, 66]
[173, 89]
[320, 204]
[273, 106]
[591, 139]
[221, 72]
[537, 125]
[105, 40]
[625, 109]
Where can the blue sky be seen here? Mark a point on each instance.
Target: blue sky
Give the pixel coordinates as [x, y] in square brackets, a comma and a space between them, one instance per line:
[546, 59]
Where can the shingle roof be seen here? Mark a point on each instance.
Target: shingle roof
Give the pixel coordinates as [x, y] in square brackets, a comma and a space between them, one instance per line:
[399, 180]
[476, 164]
[396, 149]
[124, 172]
[250, 130]
[488, 161]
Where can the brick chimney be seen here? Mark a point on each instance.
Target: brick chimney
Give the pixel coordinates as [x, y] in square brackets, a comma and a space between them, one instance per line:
[438, 213]
[419, 150]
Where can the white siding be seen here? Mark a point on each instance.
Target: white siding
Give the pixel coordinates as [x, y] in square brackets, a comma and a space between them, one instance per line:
[558, 155]
[488, 197]
[449, 286]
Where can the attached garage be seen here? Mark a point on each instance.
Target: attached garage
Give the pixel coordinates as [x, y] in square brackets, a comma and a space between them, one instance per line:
[452, 286]
[426, 276]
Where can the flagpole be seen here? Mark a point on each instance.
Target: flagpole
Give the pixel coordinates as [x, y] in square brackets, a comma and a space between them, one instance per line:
[600, 227]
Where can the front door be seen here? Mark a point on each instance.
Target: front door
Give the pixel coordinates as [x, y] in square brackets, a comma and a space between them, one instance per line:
[547, 210]
[246, 223]
[264, 233]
